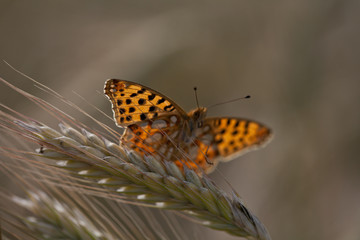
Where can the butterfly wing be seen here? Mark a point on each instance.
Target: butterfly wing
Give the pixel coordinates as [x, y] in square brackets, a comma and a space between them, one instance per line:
[152, 121]
[133, 103]
[227, 138]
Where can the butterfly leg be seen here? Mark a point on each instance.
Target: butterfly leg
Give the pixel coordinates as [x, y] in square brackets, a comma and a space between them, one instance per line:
[206, 152]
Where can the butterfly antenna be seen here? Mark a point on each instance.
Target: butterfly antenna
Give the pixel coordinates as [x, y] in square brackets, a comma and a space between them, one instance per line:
[197, 101]
[229, 101]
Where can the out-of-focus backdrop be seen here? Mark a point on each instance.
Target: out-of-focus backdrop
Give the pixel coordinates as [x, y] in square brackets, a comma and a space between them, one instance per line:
[299, 60]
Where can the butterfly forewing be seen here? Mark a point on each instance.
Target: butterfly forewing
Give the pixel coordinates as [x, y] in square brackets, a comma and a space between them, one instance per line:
[223, 139]
[134, 103]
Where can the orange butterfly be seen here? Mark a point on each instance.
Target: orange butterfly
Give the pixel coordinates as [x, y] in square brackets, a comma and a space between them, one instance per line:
[156, 125]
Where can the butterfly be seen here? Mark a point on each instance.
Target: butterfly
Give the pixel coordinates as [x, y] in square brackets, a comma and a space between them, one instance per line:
[155, 125]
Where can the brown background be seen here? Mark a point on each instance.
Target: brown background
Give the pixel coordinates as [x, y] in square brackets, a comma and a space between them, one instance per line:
[298, 59]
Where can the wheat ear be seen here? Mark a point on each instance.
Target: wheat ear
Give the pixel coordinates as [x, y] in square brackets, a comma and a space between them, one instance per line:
[143, 180]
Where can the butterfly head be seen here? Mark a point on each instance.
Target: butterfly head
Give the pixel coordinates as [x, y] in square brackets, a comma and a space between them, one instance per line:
[197, 117]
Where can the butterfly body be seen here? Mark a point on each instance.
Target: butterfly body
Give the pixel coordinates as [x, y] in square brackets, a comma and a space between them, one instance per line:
[155, 125]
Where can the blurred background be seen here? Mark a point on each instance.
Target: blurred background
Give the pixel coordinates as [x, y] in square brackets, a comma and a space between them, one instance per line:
[299, 60]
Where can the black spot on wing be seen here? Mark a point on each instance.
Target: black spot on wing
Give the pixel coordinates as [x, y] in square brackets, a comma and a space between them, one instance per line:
[161, 100]
[151, 97]
[142, 116]
[217, 122]
[141, 101]
[169, 108]
[246, 128]
[220, 140]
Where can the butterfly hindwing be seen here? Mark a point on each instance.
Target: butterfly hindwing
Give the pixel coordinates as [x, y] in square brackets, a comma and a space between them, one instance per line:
[156, 137]
[197, 157]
